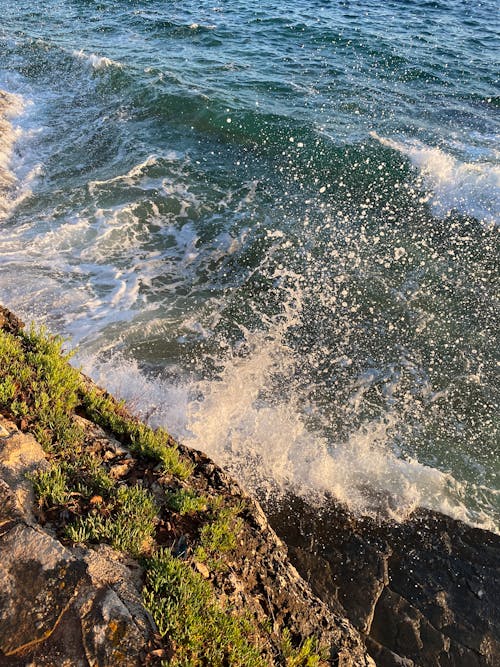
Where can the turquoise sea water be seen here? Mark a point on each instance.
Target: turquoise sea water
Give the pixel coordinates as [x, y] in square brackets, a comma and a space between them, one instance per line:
[273, 228]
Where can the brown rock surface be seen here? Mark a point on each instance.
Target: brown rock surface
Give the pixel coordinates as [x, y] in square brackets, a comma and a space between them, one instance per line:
[8, 321]
[59, 606]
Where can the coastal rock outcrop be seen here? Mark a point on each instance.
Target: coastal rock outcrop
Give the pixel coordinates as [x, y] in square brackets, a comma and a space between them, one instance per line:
[423, 593]
[263, 578]
[72, 606]
[58, 605]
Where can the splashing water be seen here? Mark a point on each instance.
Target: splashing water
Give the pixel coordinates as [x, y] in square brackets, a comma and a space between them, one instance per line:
[471, 188]
[275, 234]
[10, 105]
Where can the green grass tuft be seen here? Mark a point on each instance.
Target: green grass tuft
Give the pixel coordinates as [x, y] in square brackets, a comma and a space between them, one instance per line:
[186, 613]
[219, 535]
[37, 382]
[143, 440]
[129, 527]
[50, 486]
[186, 501]
[306, 655]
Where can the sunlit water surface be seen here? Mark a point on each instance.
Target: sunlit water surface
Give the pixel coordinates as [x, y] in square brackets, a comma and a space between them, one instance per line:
[272, 228]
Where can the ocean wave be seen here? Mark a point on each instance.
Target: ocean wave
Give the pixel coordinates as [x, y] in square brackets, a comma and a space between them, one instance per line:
[95, 61]
[10, 106]
[268, 447]
[470, 188]
[139, 174]
[159, 24]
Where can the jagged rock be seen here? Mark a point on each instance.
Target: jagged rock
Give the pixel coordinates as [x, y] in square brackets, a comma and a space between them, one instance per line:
[423, 593]
[9, 322]
[264, 580]
[60, 606]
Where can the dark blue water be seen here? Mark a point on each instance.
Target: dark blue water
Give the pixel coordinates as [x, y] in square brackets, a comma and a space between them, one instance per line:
[272, 228]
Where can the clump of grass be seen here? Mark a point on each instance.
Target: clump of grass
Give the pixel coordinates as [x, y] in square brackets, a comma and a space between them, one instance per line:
[129, 527]
[38, 384]
[219, 535]
[89, 474]
[186, 501]
[50, 486]
[89, 528]
[306, 655]
[188, 616]
[143, 440]
[81, 475]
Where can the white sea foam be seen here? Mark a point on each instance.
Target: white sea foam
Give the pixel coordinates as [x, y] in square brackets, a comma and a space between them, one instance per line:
[139, 174]
[263, 436]
[265, 441]
[10, 106]
[95, 61]
[471, 188]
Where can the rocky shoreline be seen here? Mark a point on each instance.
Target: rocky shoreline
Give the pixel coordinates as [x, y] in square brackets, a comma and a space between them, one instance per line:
[421, 593]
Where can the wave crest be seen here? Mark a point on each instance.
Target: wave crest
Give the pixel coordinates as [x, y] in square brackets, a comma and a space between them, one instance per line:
[470, 188]
[10, 106]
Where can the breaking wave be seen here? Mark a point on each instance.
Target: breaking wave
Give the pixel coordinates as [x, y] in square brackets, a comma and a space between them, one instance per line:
[10, 106]
[95, 61]
[232, 253]
[266, 443]
[470, 188]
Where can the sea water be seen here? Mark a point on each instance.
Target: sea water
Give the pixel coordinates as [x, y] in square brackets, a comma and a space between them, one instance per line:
[271, 227]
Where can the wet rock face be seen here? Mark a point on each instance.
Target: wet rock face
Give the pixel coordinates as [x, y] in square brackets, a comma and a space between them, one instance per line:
[265, 582]
[423, 593]
[9, 322]
[59, 606]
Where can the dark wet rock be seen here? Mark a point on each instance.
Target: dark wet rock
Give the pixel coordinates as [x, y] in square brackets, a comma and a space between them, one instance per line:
[9, 322]
[425, 592]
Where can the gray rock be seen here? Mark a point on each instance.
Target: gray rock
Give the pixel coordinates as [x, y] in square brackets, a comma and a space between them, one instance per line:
[39, 581]
[425, 592]
[60, 606]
